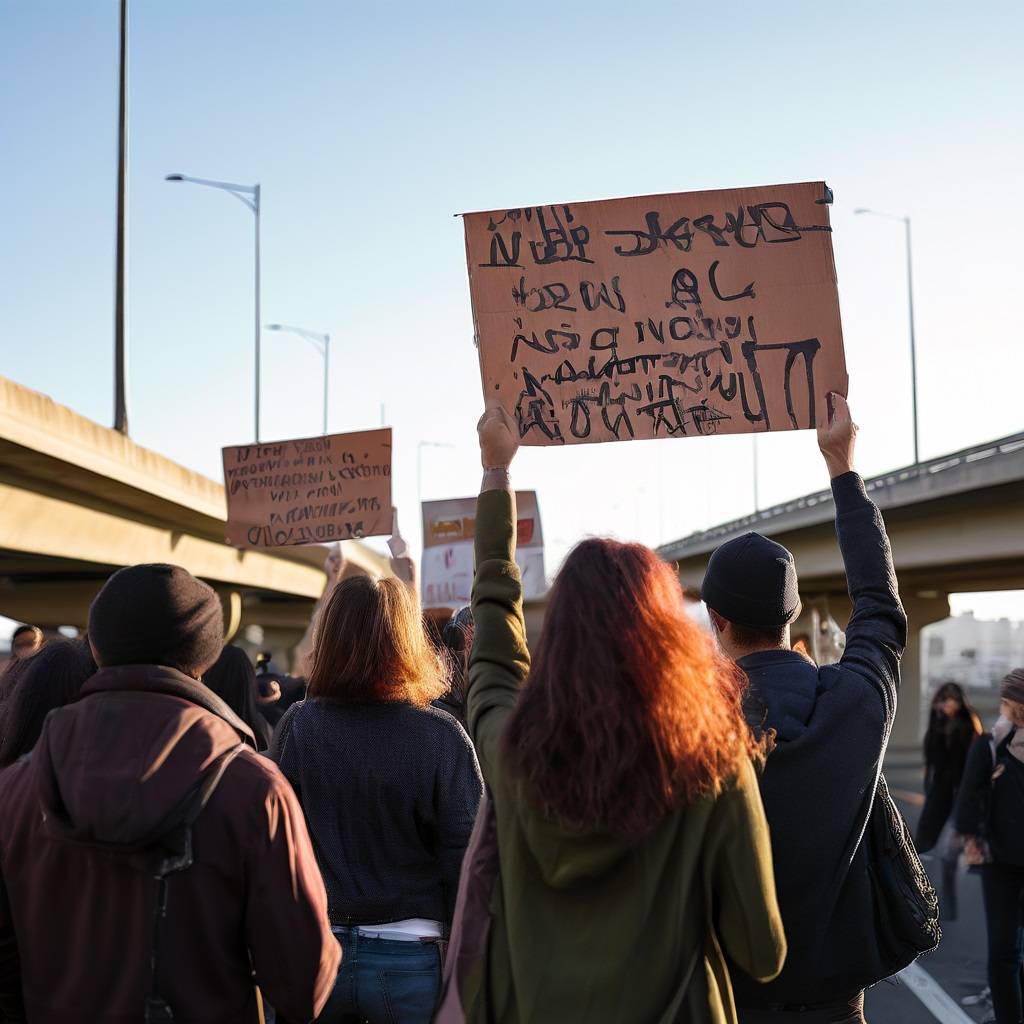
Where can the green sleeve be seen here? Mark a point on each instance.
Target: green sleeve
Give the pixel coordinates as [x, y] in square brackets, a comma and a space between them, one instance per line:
[499, 660]
[749, 922]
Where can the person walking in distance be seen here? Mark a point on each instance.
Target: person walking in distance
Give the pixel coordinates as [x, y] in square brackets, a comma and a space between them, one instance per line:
[952, 728]
[831, 725]
[390, 787]
[990, 815]
[152, 864]
[633, 846]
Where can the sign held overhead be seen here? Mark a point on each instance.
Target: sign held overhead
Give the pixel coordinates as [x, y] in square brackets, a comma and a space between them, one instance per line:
[659, 316]
[314, 490]
[449, 529]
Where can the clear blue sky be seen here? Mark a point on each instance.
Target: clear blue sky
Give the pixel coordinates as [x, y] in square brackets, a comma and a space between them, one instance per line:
[370, 125]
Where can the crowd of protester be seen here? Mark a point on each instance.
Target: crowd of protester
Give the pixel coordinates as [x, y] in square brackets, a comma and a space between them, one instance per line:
[644, 821]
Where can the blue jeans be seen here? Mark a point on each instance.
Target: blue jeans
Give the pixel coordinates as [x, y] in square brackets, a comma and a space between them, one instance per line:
[383, 981]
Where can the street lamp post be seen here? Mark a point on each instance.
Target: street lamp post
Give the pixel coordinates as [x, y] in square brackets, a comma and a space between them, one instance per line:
[120, 253]
[321, 342]
[250, 196]
[910, 308]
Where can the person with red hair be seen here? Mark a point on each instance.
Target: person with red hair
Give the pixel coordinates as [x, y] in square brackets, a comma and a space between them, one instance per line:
[634, 852]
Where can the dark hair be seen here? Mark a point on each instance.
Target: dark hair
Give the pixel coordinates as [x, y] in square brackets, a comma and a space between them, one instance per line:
[370, 647]
[22, 630]
[457, 638]
[749, 637]
[233, 679]
[965, 713]
[629, 711]
[48, 680]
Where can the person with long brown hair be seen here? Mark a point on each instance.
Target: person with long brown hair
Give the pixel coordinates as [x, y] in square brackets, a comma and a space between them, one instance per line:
[634, 851]
[953, 726]
[390, 787]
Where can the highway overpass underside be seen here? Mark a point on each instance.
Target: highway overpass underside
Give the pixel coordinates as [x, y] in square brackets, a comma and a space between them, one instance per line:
[78, 501]
[956, 525]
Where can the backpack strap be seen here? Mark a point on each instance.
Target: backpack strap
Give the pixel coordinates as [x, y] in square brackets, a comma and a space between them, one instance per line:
[168, 862]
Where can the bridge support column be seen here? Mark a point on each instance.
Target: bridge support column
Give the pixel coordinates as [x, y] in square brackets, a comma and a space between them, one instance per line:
[923, 608]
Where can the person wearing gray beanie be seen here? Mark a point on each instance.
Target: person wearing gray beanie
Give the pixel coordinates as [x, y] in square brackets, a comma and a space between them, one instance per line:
[990, 817]
[830, 726]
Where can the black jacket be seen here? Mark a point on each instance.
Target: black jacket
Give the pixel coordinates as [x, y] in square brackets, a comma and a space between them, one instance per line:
[945, 752]
[991, 805]
[832, 726]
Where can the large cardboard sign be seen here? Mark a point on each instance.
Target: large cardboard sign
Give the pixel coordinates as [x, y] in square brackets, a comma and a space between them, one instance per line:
[659, 316]
[449, 528]
[310, 491]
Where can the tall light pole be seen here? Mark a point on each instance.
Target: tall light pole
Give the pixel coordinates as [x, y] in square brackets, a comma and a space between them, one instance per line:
[250, 196]
[120, 245]
[910, 308]
[321, 342]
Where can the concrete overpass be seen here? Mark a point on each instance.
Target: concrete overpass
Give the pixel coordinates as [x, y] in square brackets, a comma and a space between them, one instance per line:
[78, 500]
[956, 524]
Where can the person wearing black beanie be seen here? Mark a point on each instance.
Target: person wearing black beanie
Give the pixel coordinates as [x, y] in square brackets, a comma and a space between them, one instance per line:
[157, 615]
[830, 727]
[149, 774]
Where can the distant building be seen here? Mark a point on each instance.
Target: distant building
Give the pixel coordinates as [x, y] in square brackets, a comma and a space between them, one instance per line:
[975, 653]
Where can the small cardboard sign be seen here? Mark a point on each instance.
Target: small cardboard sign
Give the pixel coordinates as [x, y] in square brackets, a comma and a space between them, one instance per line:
[659, 316]
[314, 490]
[449, 529]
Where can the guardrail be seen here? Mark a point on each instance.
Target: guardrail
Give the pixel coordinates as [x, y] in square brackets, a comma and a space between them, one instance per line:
[942, 464]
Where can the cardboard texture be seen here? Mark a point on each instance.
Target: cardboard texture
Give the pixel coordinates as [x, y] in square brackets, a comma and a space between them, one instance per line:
[659, 316]
[449, 528]
[310, 491]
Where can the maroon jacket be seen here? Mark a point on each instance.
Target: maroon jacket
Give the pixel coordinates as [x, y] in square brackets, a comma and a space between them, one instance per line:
[109, 773]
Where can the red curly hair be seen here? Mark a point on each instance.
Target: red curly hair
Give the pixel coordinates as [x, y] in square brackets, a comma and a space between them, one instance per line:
[630, 711]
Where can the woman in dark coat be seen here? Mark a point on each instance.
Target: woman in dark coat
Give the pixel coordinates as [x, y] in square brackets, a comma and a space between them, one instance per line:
[233, 679]
[952, 728]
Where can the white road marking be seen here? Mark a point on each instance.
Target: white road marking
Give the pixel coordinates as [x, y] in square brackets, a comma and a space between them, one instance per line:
[939, 1003]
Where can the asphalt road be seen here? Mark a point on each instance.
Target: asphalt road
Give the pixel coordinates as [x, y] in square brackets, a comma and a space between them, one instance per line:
[957, 967]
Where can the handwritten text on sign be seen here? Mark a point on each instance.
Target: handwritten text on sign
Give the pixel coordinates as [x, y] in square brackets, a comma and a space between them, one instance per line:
[659, 316]
[311, 491]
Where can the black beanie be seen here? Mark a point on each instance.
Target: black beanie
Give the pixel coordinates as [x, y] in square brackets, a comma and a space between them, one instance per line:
[752, 581]
[157, 615]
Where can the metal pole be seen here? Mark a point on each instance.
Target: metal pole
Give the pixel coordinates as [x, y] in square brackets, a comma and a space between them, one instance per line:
[913, 345]
[120, 391]
[256, 202]
[327, 365]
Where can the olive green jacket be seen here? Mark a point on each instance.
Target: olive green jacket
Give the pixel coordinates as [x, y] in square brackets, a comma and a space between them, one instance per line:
[587, 926]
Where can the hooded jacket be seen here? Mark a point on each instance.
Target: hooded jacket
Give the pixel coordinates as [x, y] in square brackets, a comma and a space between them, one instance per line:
[113, 774]
[587, 926]
[831, 727]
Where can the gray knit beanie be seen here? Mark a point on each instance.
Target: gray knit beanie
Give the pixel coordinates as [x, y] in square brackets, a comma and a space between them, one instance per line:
[1012, 686]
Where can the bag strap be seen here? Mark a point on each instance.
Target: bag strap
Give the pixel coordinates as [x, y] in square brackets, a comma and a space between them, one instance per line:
[158, 1011]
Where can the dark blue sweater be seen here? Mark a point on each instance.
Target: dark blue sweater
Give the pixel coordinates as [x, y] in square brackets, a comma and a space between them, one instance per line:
[390, 792]
[832, 727]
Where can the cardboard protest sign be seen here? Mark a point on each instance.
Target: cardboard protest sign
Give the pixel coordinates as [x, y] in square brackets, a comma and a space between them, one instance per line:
[311, 491]
[449, 528]
[659, 316]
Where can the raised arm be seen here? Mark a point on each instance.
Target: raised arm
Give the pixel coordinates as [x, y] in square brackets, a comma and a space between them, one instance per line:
[876, 634]
[499, 660]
